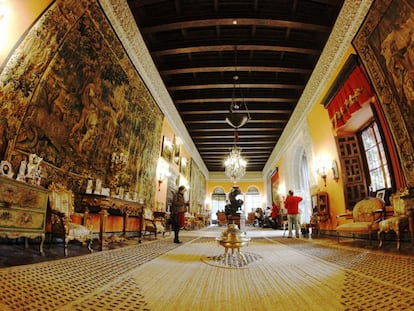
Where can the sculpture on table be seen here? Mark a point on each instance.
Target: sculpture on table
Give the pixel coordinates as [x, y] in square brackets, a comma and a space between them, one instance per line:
[34, 170]
[21, 176]
[235, 205]
[30, 171]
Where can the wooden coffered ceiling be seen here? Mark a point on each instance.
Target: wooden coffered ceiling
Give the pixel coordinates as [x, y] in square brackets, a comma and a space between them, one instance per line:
[199, 46]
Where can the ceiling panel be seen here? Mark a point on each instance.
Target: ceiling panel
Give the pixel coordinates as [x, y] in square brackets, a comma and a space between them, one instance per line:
[200, 47]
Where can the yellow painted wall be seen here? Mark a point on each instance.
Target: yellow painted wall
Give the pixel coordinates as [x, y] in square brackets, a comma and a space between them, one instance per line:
[16, 16]
[324, 145]
[161, 194]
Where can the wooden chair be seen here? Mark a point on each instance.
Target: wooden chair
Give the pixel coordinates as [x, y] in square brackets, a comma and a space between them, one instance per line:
[151, 226]
[221, 219]
[61, 201]
[250, 219]
[365, 218]
[399, 220]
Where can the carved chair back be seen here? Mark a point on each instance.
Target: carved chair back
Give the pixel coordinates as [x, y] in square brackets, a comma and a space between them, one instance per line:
[61, 199]
[364, 210]
[398, 204]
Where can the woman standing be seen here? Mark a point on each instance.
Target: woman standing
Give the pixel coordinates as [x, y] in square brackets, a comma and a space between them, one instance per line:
[178, 209]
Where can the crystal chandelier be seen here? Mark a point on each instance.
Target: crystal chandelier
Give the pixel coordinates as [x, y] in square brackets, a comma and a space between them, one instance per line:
[235, 165]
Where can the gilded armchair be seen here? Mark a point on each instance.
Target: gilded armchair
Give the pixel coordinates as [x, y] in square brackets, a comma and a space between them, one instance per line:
[61, 202]
[398, 222]
[365, 218]
[151, 225]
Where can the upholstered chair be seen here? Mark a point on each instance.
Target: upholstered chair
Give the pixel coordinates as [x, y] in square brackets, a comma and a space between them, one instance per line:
[398, 222]
[151, 225]
[61, 201]
[250, 219]
[365, 217]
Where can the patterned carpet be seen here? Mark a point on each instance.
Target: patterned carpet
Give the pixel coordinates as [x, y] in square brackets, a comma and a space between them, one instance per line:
[280, 274]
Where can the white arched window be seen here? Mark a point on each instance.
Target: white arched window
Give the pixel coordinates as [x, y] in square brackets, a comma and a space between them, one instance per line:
[252, 200]
[218, 201]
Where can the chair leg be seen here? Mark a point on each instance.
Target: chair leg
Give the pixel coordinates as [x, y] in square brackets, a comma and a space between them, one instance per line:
[398, 239]
[380, 238]
[65, 247]
[90, 245]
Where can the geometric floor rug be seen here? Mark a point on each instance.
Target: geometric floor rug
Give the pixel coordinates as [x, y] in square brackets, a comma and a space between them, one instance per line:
[278, 274]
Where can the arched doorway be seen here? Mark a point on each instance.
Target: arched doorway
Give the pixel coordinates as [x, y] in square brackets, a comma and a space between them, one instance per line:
[301, 181]
[218, 202]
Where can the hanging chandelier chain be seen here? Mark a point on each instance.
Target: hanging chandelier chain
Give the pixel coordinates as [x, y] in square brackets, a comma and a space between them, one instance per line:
[235, 165]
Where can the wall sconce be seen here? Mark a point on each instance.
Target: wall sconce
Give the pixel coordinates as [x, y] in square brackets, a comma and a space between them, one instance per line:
[335, 171]
[163, 171]
[322, 169]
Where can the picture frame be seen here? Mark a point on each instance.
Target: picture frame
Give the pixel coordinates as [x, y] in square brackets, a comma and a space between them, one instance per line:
[380, 194]
[167, 149]
[176, 152]
[6, 169]
[183, 165]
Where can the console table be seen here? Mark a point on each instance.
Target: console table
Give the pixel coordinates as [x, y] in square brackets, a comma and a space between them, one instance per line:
[94, 203]
[22, 210]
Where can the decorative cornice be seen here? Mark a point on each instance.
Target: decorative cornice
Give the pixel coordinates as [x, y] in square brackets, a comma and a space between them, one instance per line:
[349, 20]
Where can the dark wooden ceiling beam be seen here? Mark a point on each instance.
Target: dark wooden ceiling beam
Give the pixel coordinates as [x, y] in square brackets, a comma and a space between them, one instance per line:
[244, 85]
[221, 48]
[241, 142]
[178, 71]
[245, 136]
[261, 22]
[260, 121]
[208, 150]
[226, 100]
[251, 111]
[241, 130]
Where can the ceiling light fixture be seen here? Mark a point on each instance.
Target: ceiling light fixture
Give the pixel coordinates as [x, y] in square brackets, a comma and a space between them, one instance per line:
[239, 114]
[235, 165]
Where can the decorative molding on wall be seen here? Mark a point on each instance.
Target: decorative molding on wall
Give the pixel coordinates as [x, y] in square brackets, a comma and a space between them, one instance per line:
[120, 16]
[249, 176]
[348, 22]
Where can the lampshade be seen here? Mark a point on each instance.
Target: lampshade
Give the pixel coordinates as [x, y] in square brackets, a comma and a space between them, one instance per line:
[237, 119]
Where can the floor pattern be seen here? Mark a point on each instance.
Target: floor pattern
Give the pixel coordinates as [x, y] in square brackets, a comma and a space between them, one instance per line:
[373, 281]
[79, 283]
[107, 280]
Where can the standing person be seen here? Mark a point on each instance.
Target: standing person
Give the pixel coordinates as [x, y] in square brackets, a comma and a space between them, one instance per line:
[178, 209]
[292, 206]
[275, 215]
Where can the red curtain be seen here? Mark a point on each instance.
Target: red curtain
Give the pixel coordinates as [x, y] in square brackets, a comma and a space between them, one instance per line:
[355, 91]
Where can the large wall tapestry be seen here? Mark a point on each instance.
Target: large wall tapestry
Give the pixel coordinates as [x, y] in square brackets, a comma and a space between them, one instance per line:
[198, 187]
[386, 46]
[71, 95]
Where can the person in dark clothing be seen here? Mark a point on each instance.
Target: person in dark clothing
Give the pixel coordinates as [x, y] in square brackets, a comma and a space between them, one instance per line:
[178, 209]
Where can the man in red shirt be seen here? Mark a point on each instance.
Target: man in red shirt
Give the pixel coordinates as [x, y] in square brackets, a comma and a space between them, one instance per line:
[292, 206]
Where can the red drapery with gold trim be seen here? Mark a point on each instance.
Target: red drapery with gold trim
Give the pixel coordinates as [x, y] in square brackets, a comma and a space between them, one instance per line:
[355, 91]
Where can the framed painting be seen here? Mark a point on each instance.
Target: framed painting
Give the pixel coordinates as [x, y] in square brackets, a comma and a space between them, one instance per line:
[176, 151]
[381, 194]
[183, 166]
[385, 46]
[166, 149]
